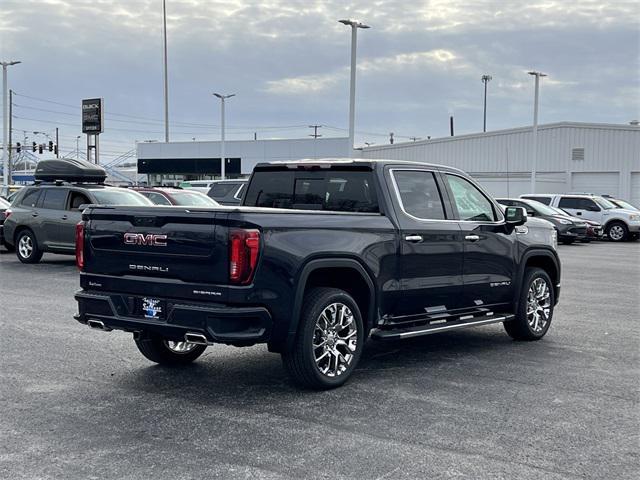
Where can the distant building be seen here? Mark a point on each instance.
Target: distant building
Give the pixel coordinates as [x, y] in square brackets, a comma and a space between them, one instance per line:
[176, 161]
[577, 157]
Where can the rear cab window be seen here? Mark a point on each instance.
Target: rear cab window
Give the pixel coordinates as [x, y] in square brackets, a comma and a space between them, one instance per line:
[339, 190]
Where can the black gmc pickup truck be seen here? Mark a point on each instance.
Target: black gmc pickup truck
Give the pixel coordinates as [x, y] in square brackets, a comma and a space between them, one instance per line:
[320, 256]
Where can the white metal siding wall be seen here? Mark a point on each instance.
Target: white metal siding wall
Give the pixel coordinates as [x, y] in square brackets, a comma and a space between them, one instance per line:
[596, 182]
[634, 196]
[493, 156]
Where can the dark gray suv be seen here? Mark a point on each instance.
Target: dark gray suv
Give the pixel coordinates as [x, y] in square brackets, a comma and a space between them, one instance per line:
[43, 218]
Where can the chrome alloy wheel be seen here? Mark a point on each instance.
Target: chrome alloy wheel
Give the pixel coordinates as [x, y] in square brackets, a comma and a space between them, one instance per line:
[180, 347]
[25, 246]
[616, 233]
[335, 338]
[538, 305]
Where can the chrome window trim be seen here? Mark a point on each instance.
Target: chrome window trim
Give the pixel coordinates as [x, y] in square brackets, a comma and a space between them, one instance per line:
[242, 185]
[434, 172]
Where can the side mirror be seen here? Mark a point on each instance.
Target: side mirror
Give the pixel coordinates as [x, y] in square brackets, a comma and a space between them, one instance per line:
[82, 207]
[515, 216]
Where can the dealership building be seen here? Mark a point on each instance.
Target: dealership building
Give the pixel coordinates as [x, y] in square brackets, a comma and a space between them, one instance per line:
[572, 157]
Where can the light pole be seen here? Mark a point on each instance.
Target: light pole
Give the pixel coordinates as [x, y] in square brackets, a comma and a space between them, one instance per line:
[355, 25]
[222, 152]
[5, 125]
[78, 147]
[166, 81]
[534, 136]
[485, 79]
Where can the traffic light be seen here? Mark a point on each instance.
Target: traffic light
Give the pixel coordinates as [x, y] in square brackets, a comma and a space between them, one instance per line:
[50, 146]
[40, 148]
[33, 146]
[18, 147]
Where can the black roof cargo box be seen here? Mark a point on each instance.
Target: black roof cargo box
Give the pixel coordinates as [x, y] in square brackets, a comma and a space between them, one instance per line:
[69, 170]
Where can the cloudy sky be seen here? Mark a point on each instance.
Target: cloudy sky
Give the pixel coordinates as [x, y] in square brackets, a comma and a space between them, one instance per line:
[288, 63]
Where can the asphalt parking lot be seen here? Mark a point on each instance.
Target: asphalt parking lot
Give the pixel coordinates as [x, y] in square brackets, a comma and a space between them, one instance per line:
[79, 404]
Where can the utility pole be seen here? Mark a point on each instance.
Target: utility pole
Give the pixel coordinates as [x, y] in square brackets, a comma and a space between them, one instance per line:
[78, 147]
[485, 79]
[222, 145]
[451, 125]
[57, 145]
[391, 138]
[5, 125]
[414, 139]
[166, 80]
[9, 152]
[355, 25]
[315, 133]
[534, 135]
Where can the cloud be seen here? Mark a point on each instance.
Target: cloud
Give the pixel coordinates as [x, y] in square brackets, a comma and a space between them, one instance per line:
[288, 61]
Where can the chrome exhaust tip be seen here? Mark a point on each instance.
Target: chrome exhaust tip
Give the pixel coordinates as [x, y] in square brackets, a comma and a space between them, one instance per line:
[196, 338]
[98, 325]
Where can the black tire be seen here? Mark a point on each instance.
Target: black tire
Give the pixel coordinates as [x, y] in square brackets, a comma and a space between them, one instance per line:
[617, 231]
[519, 328]
[300, 361]
[155, 349]
[34, 254]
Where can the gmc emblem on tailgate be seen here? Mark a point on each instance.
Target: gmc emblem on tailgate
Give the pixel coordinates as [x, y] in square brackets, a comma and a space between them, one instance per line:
[145, 239]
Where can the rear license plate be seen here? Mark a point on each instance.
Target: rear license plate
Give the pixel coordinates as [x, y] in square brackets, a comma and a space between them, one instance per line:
[152, 308]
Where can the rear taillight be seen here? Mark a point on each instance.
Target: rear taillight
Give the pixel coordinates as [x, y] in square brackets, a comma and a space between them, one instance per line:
[244, 247]
[80, 245]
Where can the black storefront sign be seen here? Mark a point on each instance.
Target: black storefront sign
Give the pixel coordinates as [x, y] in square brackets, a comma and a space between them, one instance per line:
[188, 166]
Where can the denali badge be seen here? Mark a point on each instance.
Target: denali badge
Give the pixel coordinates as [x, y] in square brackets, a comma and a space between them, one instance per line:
[145, 239]
[148, 268]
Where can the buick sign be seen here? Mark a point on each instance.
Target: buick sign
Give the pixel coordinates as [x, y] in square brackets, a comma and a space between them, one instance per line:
[92, 116]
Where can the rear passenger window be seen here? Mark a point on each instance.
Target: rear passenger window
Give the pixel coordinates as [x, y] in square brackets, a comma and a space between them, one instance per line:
[545, 200]
[570, 202]
[30, 198]
[55, 198]
[220, 190]
[419, 194]
[470, 202]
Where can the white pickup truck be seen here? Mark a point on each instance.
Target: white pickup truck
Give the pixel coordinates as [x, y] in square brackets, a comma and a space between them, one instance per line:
[619, 224]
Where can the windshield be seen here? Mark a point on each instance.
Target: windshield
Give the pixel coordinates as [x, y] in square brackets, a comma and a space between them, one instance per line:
[192, 199]
[623, 204]
[120, 197]
[559, 211]
[604, 203]
[542, 208]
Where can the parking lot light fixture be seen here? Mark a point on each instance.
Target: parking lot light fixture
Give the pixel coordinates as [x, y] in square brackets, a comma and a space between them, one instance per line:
[355, 25]
[534, 136]
[222, 145]
[5, 121]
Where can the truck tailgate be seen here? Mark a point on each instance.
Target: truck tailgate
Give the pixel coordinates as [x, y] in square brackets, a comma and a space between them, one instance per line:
[165, 242]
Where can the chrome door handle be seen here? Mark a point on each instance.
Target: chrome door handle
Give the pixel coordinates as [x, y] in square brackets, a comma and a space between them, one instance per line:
[34, 214]
[472, 238]
[64, 217]
[413, 238]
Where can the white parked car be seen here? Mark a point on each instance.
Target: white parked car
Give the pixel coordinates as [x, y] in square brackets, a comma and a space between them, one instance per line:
[201, 186]
[619, 224]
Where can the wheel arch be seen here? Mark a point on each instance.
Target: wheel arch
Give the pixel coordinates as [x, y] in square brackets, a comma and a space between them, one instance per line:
[547, 261]
[347, 274]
